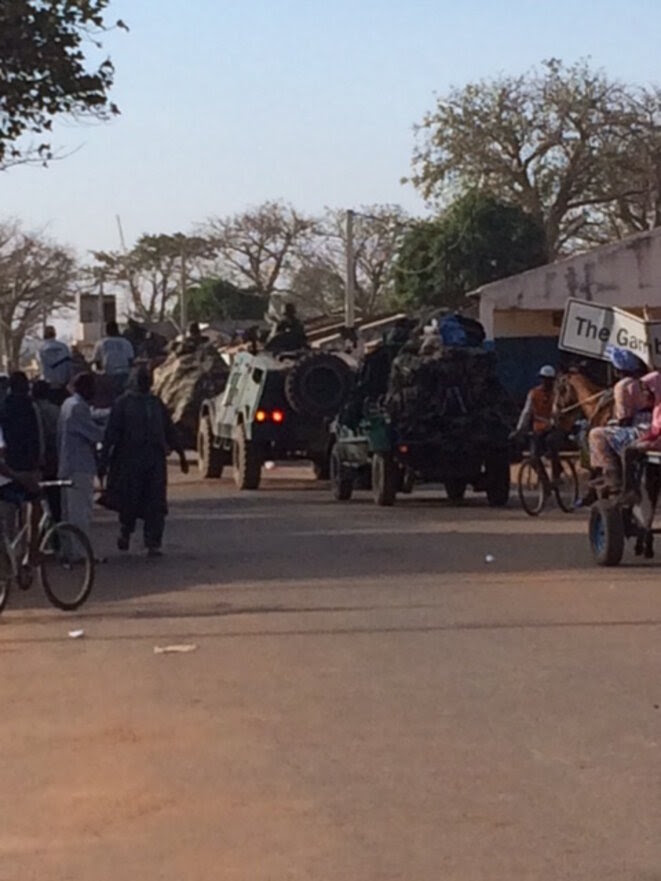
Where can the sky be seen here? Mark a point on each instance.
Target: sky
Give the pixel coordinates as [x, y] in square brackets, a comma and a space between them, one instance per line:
[228, 104]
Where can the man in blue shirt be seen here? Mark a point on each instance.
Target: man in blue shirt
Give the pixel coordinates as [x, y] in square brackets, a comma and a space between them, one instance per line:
[78, 436]
[55, 361]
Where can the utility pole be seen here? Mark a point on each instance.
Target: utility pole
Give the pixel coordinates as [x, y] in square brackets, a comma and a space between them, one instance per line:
[350, 289]
[183, 317]
[101, 315]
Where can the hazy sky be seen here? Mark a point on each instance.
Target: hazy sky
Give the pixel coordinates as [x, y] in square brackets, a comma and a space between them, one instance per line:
[227, 104]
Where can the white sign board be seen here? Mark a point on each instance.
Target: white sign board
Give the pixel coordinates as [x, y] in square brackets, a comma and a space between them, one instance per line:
[588, 329]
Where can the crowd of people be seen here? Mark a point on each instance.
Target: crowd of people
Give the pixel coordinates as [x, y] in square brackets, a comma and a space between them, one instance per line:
[51, 431]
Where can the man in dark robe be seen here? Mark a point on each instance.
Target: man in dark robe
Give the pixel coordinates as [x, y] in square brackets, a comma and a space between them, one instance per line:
[139, 437]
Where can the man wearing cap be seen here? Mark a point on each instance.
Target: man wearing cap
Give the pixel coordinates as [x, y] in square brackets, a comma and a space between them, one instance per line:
[537, 418]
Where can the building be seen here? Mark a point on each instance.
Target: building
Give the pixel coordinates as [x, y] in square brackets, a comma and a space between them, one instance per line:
[522, 315]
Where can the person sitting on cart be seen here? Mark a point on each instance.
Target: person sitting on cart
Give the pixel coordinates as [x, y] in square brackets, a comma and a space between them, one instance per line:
[537, 420]
[632, 405]
[648, 439]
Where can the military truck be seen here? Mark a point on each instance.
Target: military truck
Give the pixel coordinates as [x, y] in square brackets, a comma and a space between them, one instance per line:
[274, 407]
[439, 415]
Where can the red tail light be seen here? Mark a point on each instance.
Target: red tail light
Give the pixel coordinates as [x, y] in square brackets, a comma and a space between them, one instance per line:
[261, 416]
[403, 449]
[278, 417]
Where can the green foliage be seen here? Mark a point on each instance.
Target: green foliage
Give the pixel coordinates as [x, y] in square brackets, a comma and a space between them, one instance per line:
[573, 148]
[476, 241]
[152, 271]
[44, 71]
[215, 299]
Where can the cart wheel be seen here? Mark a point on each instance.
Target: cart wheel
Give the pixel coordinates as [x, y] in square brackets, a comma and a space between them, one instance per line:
[384, 479]
[341, 481]
[606, 533]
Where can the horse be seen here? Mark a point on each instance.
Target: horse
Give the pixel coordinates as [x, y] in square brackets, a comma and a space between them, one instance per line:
[575, 393]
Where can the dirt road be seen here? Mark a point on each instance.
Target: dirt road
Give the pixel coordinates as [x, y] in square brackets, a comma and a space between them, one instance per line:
[369, 699]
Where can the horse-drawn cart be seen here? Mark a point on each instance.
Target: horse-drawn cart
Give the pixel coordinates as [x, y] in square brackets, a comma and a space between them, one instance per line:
[614, 520]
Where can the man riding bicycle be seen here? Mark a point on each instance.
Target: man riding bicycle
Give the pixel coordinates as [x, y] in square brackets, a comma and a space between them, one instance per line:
[20, 456]
[537, 420]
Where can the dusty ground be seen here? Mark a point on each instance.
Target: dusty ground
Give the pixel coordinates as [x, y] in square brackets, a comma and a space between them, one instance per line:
[368, 700]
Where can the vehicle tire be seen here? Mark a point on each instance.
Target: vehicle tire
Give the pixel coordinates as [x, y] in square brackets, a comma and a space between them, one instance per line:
[246, 462]
[384, 479]
[209, 459]
[318, 384]
[455, 490]
[407, 481]
[5, 575]
[66, 566]
[321, 468]
[341, 481]
[498, 479]
[606, 531]
[567, 490]
[531, 487]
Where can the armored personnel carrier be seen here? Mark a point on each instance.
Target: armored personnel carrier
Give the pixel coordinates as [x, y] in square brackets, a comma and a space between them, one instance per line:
[275, 406]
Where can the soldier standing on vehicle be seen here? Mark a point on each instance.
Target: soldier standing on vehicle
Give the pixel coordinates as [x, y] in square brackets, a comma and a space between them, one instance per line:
[289, 334]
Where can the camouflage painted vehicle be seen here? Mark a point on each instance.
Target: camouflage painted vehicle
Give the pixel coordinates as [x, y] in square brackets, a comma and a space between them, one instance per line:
[444, 418]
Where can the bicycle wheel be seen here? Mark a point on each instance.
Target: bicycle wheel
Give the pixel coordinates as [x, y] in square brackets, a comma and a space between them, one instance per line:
[66, 566]
[532, 491]
[566, 489]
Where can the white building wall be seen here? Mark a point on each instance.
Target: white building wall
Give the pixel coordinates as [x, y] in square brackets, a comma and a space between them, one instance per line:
[625, 274]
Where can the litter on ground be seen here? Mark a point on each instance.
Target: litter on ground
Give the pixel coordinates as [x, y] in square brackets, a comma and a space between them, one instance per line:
[174, 649]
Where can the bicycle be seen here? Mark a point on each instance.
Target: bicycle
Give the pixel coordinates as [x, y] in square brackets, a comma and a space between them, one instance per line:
[536, 486]
[65, 559]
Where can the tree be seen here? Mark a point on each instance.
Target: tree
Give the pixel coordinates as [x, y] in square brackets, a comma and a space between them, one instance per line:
[44, 71]
[215, 299]
[569, 146]
[259, 248]
[476, 241]
[377, 233]
[37, 278]
[152, 271]
[318, 286]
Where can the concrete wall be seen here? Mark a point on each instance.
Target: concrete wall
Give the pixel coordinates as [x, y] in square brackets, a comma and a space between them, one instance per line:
[625, 274]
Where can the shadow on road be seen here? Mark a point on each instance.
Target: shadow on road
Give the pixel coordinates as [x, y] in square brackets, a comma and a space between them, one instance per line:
[302, 538]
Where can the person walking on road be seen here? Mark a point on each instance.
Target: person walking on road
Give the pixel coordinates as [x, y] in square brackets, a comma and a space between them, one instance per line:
[138, 439]
[77, 439]
[48, 414]
[56, 365]
[113, 355]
